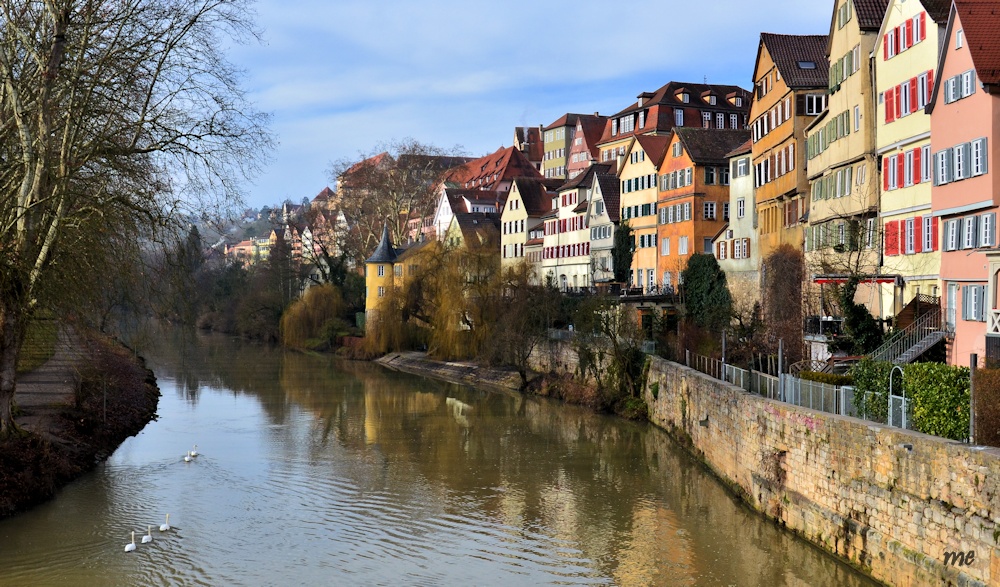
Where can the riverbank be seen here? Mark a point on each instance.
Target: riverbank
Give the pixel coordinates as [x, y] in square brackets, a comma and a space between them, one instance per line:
[903, 507]
[75, 410]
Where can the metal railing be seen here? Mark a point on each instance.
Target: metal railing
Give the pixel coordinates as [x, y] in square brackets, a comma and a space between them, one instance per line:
[822, 397]
[910, 336]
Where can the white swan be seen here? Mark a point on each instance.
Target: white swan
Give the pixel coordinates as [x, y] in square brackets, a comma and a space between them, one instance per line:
[149, 535]
[131, 545]
[194, 452]
[187, 458]
[166, 525]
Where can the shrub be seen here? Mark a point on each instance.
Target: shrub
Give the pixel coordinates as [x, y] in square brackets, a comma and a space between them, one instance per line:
[940, 399]
[871, 382]
[828, 378]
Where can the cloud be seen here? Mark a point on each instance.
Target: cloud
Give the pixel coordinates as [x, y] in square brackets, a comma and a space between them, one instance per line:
[342, 76]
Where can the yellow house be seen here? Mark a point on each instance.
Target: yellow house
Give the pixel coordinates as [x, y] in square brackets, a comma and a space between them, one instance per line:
[905, 56]
[379, 275]
[842, 236]
[790, 81]
[529, 199]
[638, 179]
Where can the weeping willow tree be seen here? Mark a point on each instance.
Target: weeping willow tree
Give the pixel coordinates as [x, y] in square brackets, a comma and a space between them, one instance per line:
[312, 319]
[451, 293]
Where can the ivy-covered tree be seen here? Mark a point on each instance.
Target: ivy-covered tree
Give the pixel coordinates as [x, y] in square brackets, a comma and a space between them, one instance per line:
[707, 299]
[862, 334]
[621, 252]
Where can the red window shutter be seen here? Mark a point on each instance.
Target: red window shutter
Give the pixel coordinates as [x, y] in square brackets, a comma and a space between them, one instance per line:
[923, 26]
[898, 95]
[913, 95]
[885, 173]
[918, 231]
[885, 48]
[934, 229]
[917, 169]
[900, 170]
[891, 238]
[930, 83]
[890, 111]
[909, 33]
[899, 40]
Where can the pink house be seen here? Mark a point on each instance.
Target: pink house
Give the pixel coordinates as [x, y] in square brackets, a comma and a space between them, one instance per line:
[965, 130]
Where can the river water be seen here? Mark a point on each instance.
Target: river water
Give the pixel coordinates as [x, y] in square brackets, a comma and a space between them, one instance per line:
[314, 471]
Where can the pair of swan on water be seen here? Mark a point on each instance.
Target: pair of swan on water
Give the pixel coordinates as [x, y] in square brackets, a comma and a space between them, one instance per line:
[191, 454]
[164, 527]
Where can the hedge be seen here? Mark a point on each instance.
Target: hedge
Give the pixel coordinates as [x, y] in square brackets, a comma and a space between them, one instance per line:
[940, 399]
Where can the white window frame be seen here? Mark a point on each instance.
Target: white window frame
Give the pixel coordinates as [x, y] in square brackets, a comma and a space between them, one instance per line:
[857, 119]
[978, 157]
[926, 164]
[910, 237]
[987, 230]
[908, 169]
[928, 234]
[951, 234]
[969, 233]
[922, 91]
[741, 207]
[678, 117]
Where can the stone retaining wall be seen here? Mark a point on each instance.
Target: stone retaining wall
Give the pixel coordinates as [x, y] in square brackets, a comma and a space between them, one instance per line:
[900, 505]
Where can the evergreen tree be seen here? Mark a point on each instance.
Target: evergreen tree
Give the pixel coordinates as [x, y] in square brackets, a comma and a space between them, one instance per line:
[622, 251]
[707, 299]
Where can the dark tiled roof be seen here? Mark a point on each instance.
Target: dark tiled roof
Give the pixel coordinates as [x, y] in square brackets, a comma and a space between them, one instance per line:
[571, 119]
[938, 10]
[384, 253]
[870, 13]
[535, 195]
[981, 26]
[582, 206]
[586, 177]
[788, 50]
[655, 146]
[412, 249]
[324, 195]
[479, 225]
[741, 150]
[709, 146]
[611, 193]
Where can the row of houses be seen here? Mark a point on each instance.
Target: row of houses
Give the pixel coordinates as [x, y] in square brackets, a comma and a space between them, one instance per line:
[869, 149]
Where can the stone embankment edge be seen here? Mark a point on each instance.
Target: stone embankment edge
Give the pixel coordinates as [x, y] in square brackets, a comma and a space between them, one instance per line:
[453, 371]
[891, 502]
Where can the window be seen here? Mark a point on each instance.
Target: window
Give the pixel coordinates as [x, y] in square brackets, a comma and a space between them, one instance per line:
[908, 170]
[709, 211]
[857, 119]
[951, 235]
[969, 232]
[960, 162]
[987, 230]
[381, 291]
[942, 167]
[815, 104]
[665, 247]
[861, 174]
[682, 245]
[720, 120]
[734, 120]
[710, 175]
[706, 119]
[687, 211]
[741, 207]
[678, 117]
[959, 36]
[743, 166]
[904, 98]
[925, 163]
[642, 119]
[978, 157]
[677, 149]
[381, 270]
[922, 91]
[737, 101]
[968, 85]
[711, 100]
[910, 234]
[928, 234]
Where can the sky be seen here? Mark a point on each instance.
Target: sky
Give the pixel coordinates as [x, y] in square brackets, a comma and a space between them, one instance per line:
[341, 77]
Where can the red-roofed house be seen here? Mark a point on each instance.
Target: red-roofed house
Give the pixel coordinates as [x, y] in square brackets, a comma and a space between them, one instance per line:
[559, 138]
[675, 104]
[638, 179]
[583, 151]
[528, 140]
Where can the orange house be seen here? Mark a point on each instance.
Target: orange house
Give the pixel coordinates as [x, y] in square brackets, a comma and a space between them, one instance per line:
[693, 196]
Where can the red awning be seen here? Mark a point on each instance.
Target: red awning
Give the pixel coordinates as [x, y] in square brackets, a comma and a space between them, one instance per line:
[838, 279]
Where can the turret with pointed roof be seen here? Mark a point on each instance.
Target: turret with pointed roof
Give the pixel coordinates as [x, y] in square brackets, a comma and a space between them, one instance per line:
[384, 253]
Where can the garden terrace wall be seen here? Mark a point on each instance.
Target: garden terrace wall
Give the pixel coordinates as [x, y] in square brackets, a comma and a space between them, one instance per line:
[891, 501]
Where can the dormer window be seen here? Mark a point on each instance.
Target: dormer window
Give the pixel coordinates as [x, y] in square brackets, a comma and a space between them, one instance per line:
[642, 119]
[684, 97]
[807, 65]
[738, 101]
[711, 100]
[677, 150]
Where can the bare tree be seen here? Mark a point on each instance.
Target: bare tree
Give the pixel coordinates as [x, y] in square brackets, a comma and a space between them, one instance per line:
[395, 183]
[113, 115]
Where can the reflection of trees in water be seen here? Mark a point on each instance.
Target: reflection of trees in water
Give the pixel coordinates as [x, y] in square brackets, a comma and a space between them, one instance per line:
[622, 493]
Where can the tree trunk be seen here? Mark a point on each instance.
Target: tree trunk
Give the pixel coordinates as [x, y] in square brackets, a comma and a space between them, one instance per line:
[11, 337]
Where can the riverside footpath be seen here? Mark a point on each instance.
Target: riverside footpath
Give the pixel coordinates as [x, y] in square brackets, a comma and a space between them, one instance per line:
[75, 410]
